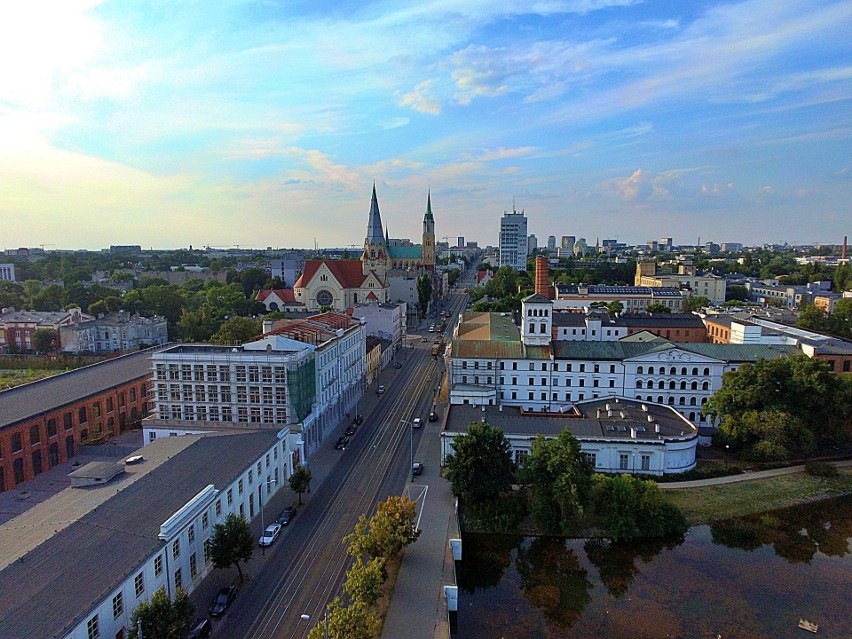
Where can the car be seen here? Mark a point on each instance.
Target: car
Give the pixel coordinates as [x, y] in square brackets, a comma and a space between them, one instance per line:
[359, 419]
[424, 339]
[417, 423]
[350, 430]
[286, 515]
[431, 329]
[380, 390]
[417, 468]
[201, 630]
[397, 364]
[342, 442]
[270, 535]
[223, 600]
[433, 416]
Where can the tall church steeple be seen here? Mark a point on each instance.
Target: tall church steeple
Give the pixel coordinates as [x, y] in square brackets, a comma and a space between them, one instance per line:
[375, 245]
[429, 234]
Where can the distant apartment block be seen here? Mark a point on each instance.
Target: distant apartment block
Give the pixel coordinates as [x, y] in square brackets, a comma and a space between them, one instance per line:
[125, 248]
[112, 333]
[18, 328]
[633, 298]
[7, 272]
[687, 279]
[288, 268]
[513, 240]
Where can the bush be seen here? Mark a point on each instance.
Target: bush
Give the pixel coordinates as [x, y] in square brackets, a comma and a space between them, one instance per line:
[821, 469]
[496, 515]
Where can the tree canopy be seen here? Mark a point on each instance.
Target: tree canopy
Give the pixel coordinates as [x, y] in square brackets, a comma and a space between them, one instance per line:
[300, 480]
[385, 534]
[231, 543]
[480, 467]
[162, 618]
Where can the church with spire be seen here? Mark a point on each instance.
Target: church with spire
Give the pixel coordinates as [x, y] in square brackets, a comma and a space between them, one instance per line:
[341, 284]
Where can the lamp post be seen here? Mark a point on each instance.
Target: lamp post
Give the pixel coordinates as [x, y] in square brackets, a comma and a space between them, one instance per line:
[410, 446]
[308, 618]
[727, 447]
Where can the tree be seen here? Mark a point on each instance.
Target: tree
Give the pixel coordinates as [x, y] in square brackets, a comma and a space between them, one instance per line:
[364, 580]
[11, 295]
[252, 280]
[812, 318]
[558, 476]
[300, 481]
[237, 330]
[161, 618]
[696, 303]
[424, 291]
[737, 293]
[657, 307]
[355, 621]
[631, 507]
[615, 307]
[481, 466]
[45, 340]
[386, 534]
[231, 543]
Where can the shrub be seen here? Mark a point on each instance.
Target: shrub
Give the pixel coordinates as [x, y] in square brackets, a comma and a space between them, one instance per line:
[821, 469]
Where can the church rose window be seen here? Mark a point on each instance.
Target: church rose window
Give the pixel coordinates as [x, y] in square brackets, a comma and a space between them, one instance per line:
[324, 298]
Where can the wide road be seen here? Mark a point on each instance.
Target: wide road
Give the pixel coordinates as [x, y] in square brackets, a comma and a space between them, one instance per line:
[308, 564]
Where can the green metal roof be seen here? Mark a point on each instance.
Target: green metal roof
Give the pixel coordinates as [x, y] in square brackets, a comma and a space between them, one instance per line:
[406, 252]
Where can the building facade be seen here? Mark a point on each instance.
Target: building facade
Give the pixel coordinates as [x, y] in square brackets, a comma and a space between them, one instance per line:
[633, 298]
[18, 328]
[513, 240]
[112, 333]
[7, 272]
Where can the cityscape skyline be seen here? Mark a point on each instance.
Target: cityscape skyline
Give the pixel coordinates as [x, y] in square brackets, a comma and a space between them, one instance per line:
[265, 124]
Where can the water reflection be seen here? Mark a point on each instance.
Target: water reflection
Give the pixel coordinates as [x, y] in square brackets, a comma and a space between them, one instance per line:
[795, 533]
[752, 577]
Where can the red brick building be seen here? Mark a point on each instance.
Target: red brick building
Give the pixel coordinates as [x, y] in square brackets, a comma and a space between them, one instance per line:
[42, 424]
[677, 327]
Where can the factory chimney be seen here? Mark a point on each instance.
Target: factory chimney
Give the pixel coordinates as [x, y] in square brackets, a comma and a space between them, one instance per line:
[542, 279]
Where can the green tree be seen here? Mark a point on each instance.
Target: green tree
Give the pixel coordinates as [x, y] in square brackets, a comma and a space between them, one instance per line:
[424, 291]
[840, 320]
[45, 340]
[631, 507]
[657, 307]
[615, 307]
[162, 618]
[480, 467]
[736, 292]
[364, 580]
[300, 481]
[11, 295]
[695, 303]
[387, 533]
[558, 477]
[812, 318]
[237, 329]
[49, 298]
[252, 280]
[356, 621]
[231, 543]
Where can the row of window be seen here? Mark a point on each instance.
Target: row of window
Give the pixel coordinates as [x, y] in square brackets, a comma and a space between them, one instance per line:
[215, 413]
[672, 385]
[212, 393]
[544, 381]
[220, 373]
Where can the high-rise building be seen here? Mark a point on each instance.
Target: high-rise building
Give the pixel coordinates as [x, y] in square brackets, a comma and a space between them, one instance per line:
[460, 240]
[580, 247]
[513, 240]
[532, 243]
[666, 244]
[551, 244]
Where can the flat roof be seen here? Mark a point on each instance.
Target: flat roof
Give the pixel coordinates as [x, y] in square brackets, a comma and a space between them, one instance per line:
[29, 400]
[44, 595]
[582, 419]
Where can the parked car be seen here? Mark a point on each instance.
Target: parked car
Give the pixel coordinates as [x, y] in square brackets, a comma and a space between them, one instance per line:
[342, 442]
[417, 423]
[201, 630]
[359, 419]
[424, 339]
[380, 390]
[286, 515]
[433, 416]
[350, 430]
[397, 364]
[223, 601]
[417, 468]
[270, 535]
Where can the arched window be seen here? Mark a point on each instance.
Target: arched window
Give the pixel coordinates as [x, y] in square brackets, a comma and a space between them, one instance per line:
[650, 399]
[695, 371]
[681, 401]
[671, 385]
[683, 371]
[661, 384]
[706, 371]
[705, 386]
[692, 417]
[640, 370]
[639, 397]
[694, 385]
[660, 399]
[650, 370]
[692, 401]
[703, 401]
[638, 383]
[683, 386]
[671, 401]
[672, 371]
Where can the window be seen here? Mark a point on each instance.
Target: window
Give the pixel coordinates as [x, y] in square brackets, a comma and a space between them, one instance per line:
[176, 549]
[240, 485]
[158, 565]
[17, 445]
[92, 628]
[520, 457]
[190, 533]
[592, 458]
[178, 579]
[622, 461]
[81, 415]
[51, 428]
[139, 584]
[205, 521]
[67, 422]
[230, 496]
[117, 606]
[219, 507]
[109, 404]
[193, 566]
[646, 462]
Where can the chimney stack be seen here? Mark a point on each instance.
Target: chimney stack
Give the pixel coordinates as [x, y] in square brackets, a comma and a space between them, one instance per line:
[542, 279]
[843, 253]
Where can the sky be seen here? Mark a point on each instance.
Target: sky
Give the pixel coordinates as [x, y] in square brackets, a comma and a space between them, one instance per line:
[258, 123]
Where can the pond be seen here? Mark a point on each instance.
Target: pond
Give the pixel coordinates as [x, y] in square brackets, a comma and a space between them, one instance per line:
[747, 577]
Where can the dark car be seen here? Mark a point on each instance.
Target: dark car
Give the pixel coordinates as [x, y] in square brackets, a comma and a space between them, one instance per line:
[433, 416]
[397, 364]
[350, 430]
[359, 419]
[201, 630]
[223, 600]
[341, 443]
[286, 515]
[417, 468]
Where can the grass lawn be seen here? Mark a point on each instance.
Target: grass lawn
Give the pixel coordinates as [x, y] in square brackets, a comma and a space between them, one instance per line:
[12, 378]
[712, 503]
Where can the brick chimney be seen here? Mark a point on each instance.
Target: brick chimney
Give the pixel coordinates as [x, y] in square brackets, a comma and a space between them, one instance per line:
[542, 280]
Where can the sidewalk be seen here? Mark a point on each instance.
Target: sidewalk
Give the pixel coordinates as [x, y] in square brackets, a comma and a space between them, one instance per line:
[733, 479]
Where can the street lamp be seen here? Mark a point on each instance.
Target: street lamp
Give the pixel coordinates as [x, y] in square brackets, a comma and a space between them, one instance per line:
[727, 447]
[308, 618]
[262, 525]
[410, 445]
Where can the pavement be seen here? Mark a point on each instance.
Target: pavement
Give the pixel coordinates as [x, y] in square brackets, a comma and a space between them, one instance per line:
[748, 476]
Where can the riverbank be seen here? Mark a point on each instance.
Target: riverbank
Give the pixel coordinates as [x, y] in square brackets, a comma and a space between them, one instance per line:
[713, 503]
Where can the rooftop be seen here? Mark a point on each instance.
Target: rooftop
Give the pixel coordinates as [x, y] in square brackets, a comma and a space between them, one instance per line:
[111, 540]
[36, 398]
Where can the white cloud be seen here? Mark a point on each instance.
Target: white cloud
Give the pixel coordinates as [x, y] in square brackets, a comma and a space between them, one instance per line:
[420, 100]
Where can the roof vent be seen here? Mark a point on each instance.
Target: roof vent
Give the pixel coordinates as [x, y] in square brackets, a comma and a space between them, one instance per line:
[608, 412]
[608, 407]
[656, 428]
[644, 408]
[622, 414]
[650, 418]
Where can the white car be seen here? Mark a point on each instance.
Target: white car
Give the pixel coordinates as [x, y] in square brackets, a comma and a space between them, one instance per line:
[417, 423]
[270, 535]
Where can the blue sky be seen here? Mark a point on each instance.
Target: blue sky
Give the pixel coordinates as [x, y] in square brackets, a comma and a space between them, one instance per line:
[265, 123]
